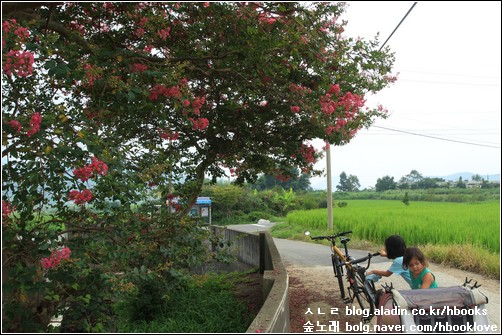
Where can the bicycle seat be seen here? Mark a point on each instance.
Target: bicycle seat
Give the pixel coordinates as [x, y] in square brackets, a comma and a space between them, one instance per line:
[344, 239]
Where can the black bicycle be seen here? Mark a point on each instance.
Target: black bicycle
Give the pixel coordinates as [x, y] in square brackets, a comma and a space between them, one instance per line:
[358, 289]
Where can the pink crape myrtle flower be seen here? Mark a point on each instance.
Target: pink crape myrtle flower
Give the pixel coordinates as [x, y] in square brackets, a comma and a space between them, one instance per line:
[53, 261]
[199, 124]
[83, 173]
[164, 33]
[80, 197]
[16, 125]
[7, 210]
[295, 109]
[35, 121]
[169, 135]
[19, 63]
[96, 167]
[138, 67]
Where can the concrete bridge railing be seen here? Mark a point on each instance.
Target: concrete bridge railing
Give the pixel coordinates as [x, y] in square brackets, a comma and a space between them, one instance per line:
[259, 250]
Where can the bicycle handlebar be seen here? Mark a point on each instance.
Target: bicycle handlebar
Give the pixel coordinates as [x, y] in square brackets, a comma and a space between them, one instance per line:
[329, 237]
[355, 261]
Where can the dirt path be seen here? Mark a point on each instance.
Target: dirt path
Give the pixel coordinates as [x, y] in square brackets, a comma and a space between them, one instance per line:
[313, 291]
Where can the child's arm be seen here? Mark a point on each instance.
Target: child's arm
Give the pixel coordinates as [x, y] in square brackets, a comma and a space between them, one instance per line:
[384, 273]
[427, 280]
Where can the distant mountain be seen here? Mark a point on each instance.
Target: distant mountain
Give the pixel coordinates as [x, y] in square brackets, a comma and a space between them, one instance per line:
[468, 176]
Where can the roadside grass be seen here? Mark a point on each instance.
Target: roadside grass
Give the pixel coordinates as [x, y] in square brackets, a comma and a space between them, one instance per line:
[208, 304]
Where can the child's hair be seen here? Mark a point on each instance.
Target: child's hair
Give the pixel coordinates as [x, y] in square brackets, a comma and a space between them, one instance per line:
[411, 252]
[394, 246]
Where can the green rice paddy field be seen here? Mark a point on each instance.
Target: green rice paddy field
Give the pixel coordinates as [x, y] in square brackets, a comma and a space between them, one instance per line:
[420, 223]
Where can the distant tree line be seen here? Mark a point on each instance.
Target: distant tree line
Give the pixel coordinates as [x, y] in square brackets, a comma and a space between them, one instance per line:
[412, 181]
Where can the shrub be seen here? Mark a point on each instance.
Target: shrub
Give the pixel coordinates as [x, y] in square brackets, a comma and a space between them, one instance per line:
[142, 300]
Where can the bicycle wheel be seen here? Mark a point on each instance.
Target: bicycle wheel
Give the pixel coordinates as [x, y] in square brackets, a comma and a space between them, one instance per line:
[362, 293]
[338, 274]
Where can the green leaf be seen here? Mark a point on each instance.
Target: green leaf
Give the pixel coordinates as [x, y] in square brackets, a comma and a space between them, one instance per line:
[50, 65]
[31, 46]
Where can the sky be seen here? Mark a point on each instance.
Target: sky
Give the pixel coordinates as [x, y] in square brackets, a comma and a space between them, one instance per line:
[448, 56]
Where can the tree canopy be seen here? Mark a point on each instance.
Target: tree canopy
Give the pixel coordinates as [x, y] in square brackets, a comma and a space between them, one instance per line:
[385, 183]
[295, 181]
[348, 183]
[188, 89]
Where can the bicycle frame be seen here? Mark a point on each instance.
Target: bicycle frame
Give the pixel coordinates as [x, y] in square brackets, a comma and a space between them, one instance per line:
[355, 274]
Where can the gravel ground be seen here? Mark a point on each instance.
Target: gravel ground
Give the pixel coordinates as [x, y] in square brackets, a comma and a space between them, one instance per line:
[313, 291]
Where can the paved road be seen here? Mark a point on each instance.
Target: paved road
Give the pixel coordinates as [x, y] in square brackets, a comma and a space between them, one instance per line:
[305, 254]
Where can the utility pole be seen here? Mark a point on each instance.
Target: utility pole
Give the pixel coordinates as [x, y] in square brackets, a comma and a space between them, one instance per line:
[330, 193]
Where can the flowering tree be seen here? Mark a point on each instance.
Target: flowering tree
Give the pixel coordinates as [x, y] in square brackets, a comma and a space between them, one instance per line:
[105, 104]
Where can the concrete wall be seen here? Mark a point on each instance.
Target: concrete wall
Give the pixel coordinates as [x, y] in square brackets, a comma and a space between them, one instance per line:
[260, 250]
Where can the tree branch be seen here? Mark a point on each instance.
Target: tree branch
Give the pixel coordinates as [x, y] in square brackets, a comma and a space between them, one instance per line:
[10, 7]
[56, 27]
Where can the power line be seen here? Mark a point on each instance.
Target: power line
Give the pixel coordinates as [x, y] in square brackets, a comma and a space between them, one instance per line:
[438, 138]
[388, 38]
[450, 82]
[452, 74]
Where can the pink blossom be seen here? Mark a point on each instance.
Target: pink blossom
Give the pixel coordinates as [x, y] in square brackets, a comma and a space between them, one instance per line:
[80, 197]
[22, 33]
[308, 153]
[157, 91]
[19, 63]
[65, 253]
[7, 24]
[282, 177]
[197, 104]
[161, 90]
[96, 167]
[35, 121]
[99, 167]
[137, 67]
[16, 125]
[266, 19]
[83, 173]
[266, 80]
[139, 32]
[295, 109]
[199, 124]
[168, 135]
[334, 89]
[164, 33]
[7, 209]
[143, 21]
[206, 4]
[55, 258]
[91, 74]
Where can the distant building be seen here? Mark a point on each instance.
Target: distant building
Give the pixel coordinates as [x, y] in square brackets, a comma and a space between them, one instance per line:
[473, 184]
